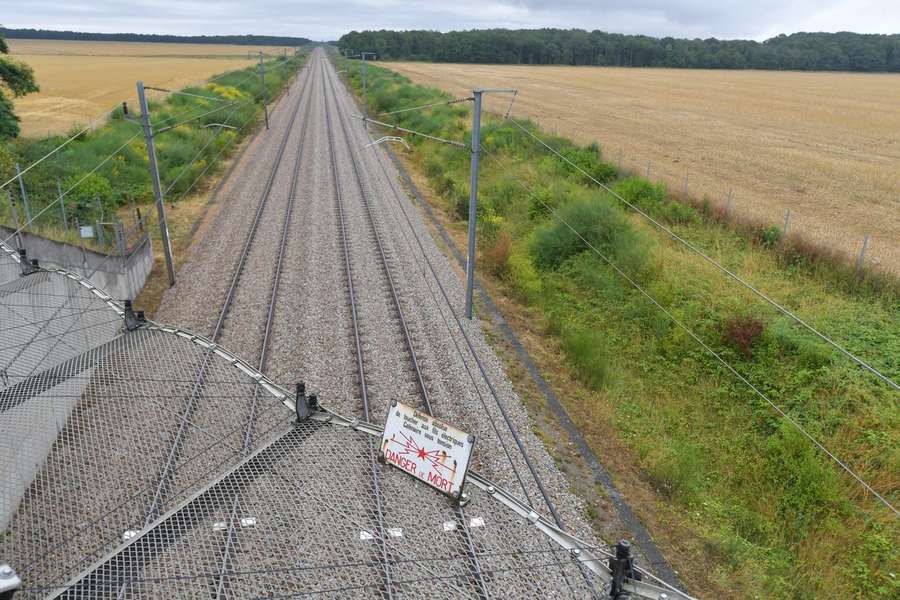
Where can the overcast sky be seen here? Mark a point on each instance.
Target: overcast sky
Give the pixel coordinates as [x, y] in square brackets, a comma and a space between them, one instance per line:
[327, 20]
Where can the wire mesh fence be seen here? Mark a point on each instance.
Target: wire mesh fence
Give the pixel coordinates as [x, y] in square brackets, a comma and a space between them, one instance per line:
[143, 461]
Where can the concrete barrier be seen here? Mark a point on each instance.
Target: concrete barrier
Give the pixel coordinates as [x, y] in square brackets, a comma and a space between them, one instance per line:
[121, 277]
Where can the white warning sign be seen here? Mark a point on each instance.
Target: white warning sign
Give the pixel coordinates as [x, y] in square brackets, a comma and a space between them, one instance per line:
[426, 448]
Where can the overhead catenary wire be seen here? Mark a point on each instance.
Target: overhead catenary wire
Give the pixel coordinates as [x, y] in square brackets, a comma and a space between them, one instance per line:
[425, 106]
[412, 132]
[55, 150]
[712, 261]
[718, 357]
[72, 187]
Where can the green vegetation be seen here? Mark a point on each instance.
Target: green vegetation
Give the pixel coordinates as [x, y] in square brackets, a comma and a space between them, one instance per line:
[17, 79]
[773, 516]
[243, 40]
[188, 154]
[843, 51]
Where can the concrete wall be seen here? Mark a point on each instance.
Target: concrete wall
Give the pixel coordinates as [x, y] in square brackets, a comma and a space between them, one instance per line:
[122, 278]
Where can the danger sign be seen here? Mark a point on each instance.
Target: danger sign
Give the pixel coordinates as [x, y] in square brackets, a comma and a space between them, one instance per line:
[426, 448]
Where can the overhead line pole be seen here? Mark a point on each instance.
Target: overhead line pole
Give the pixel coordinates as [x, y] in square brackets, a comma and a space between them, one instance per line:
[262, 84]
[473, 191]
[363, 55]
[154, 179]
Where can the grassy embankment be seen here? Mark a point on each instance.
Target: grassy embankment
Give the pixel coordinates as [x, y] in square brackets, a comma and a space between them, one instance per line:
[743, 504]
[189, 156]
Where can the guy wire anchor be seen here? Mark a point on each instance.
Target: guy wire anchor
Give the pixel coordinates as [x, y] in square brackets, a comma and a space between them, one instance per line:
[133, 319]
[28, 267]
[622, 567]
[304, 405]
[388, 138]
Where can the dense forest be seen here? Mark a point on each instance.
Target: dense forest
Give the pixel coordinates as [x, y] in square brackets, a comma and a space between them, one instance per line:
[243, 40]
[843, 51]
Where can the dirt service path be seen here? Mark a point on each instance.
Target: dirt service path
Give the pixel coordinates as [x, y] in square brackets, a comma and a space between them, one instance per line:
[824, 145]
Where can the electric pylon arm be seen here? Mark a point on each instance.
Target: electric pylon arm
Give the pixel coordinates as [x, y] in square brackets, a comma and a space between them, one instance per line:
[388, 138]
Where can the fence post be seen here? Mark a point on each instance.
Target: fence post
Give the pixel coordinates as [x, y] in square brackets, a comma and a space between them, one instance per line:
[100, 235]
[15, 215]
[81, 242]
[648, 169]
[787, 222]
[728, 204]
[62, 206]
[120, 241]
[620, 159]
[862, 255]
[24, 196]
[685, 192]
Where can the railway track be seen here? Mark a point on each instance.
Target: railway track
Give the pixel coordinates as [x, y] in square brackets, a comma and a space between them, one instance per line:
[477, 580]
[408, 343]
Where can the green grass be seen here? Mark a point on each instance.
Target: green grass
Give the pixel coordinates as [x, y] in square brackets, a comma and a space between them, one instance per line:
[125, 178]
[772, 514]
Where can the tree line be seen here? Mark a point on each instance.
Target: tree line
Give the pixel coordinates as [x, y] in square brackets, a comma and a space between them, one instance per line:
[842, 51]
[241, 40]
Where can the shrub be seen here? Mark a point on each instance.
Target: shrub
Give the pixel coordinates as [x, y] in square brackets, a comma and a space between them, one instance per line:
[642, 193]
[81, 202]
[742, 333]
[588, 162]
[595, 221]
[496, 256]
[677, 469]
[523, 276]
[805, 487]
[588, 351]
[770, 236]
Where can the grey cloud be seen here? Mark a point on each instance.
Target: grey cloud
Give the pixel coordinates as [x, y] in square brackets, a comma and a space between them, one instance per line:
[322, 20]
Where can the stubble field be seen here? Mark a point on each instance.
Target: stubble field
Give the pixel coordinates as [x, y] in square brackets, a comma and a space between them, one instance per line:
[822, 145]
[82, 81]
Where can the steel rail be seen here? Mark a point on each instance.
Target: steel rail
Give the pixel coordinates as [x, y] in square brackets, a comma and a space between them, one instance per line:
[459, 514]
[364, 394]
[174, 449]
[539, 483]
[270, 317]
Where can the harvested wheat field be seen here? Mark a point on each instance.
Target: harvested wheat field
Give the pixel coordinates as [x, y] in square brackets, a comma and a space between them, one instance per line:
[823, 145]
[82, 81]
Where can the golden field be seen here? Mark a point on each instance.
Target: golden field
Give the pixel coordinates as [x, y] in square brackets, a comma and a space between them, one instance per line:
[823, 145]
[82, 81]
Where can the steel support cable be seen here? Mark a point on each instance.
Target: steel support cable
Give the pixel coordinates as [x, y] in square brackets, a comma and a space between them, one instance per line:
[333, 566]
[712, 261]
[387, 582]
[55, 150]
[459, 352]
[474, 566]
[205, 471]
[234, 472]
[424, 106]
[264, 349]
[200, 152]
[708, 349]
[155, 226]
[200, 83]
[412, 132]
[72, 187]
